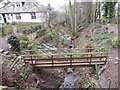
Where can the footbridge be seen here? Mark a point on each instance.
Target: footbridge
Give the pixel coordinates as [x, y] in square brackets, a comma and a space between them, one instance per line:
[69, 59]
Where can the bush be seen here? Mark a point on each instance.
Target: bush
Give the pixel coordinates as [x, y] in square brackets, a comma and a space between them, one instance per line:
[40, 33]
[23, 37]
[46, 39]
[15, 43]
[24, 44]
[115, 42]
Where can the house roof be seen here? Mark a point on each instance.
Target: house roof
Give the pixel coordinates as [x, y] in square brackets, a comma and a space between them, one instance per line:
[29, 6]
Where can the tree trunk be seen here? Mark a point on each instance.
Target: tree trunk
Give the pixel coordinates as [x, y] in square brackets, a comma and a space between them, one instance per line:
[95, 12]
[75, 9]
[71, 15]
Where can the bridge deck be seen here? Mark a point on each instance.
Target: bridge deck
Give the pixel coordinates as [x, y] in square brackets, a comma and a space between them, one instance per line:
[66, 59]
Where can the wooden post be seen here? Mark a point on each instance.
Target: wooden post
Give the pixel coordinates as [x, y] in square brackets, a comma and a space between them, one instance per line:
[96, 70]
[109, 83]
[52, 61]
[70, 60]
[90, 58]
[101, 58]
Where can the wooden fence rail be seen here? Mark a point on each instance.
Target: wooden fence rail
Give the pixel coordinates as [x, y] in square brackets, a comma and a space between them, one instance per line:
[66, 59]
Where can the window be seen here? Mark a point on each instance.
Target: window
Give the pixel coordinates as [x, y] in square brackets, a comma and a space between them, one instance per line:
[23, 3]
[8, 16]
[33, 16]
[18, 16]
[0, 17]
[18, 4]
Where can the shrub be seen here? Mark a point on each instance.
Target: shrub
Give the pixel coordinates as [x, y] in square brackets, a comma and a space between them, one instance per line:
[23, 37]
[15, 43]
[115, 42]
[24, 44]
[46, 39]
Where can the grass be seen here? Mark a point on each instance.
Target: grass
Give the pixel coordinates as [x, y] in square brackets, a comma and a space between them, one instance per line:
[25, 26]
[7, 29]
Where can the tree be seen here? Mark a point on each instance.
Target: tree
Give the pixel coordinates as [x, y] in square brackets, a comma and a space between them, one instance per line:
[15, 43]
[109, 10]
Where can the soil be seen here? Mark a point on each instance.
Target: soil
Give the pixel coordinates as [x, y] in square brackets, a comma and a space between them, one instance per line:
[51, 78]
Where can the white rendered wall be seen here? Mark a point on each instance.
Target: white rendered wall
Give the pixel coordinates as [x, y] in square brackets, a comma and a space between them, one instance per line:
[25, 17]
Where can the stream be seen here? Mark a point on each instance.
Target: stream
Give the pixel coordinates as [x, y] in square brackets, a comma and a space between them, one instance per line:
[70, 79]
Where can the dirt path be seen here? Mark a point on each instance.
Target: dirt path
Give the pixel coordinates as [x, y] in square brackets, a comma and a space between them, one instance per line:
[3, 43]
[0, 70]
[112, 72]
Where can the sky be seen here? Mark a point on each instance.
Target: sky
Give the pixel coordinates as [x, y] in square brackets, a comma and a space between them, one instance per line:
[54, 3]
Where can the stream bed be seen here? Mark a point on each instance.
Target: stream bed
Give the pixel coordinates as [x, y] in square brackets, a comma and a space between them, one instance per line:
[69, 80]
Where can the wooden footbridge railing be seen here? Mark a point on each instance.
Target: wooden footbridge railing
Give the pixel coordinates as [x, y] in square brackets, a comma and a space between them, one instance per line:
[66, 59]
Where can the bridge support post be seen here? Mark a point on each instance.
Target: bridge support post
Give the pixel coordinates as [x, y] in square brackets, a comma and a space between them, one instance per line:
[96, 71]
[71, 60]
[52, 61]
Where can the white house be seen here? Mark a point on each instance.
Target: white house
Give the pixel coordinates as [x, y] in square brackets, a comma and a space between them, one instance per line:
[23, 11]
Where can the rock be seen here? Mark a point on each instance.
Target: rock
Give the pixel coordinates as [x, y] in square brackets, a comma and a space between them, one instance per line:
[1, 50]
[42, 81]
[70, 70]
[19, 57]
[32, 80]
[6, 53]
[110, 57]
[116, 62]
[59, 71]
[117, 58]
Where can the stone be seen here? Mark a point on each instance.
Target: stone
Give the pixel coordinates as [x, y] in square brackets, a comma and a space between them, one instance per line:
[70, 70]
[117, 58]
[59, 71]
[19, 57]
[6, 53]
[110, 57]
[1, 50]
[116, 62]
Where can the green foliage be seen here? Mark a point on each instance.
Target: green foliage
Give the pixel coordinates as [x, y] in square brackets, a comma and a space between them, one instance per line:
[109, 10]
[40, 33]
[89, 84]
[48, 38]
[102, 38]
[24, 44]
[115, 42]
[15, 43]
[23, 76]
[23, 41]
[27, 28]
[23, 37]
[32, 45]
[103, 20]
[22, 26]
[7, 29]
